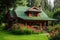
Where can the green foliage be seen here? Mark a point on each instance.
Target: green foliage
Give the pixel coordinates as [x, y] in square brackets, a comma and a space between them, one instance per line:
[30, 3]
[16, 29]
[57, 37]
[22, 2]
[50, 14]
[2, 26]
[2, 18]
[6, 4]
[4, 7]
[57, 26]
[25, 3]
[27, 31]
[37, 3]
[57, 4]
[56, 30]
[24, 31]
[56, 15]
[50, 29]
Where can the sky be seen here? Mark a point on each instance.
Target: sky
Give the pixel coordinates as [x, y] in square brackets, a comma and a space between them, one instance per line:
[51, 3]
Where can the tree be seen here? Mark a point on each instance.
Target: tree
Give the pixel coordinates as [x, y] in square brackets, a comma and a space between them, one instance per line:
[37, 2]
[56, 15]
[22, 2]
[4, 7]
[30, 3]
[34, 3]
[57, 4]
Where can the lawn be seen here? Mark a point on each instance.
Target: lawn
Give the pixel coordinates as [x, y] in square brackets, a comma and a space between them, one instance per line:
[7, 36]
[4, 35]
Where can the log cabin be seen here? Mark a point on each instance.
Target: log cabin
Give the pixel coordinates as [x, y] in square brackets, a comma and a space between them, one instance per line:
[33, 17]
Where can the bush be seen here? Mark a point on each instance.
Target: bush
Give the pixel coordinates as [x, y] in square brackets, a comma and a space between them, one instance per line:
[56, 30]
[56, 15]
[57, 37]
[16, 29]
[50, 29]
[2, 25]
[57, 26]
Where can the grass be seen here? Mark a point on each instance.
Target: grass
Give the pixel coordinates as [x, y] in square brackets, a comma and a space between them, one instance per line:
[7, 36]
[4, 35]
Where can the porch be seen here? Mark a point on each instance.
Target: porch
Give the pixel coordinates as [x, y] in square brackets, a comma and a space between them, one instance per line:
[39, 25]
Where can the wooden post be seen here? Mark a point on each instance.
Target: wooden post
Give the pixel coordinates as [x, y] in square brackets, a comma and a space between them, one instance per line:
[26, 23]
[44, 26]
[52, 23]
[40, 26]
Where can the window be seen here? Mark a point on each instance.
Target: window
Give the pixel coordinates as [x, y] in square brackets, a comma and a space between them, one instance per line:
[35, 14]
[30, 14]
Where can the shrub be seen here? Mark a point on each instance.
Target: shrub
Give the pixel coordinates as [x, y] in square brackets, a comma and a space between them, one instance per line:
[56, 32]
[57, 37]
[2, 25]
[56, 15]
[50, 29]
[16, 29]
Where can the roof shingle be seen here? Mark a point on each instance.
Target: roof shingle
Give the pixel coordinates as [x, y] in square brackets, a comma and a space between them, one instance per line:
[20, 11]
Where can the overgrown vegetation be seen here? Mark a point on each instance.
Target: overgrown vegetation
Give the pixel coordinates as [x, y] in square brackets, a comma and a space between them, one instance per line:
[16, 29]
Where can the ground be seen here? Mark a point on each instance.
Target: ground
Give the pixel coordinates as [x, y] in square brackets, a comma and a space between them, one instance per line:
[7, 36]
